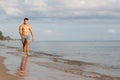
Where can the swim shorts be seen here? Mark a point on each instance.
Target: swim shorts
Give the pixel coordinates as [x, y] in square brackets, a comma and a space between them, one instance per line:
[26, 37]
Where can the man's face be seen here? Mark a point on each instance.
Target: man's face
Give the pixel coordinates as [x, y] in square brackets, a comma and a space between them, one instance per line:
[26, 21]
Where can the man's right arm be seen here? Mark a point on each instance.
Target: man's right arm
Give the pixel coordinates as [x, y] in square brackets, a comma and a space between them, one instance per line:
[20, 31]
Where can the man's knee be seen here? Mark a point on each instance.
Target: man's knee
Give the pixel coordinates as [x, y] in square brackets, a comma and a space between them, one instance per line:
[27, 42]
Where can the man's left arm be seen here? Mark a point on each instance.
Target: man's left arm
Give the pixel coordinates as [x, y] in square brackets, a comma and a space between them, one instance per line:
[32, 33]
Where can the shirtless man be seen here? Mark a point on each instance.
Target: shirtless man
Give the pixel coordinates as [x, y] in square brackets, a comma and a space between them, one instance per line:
[24, 30]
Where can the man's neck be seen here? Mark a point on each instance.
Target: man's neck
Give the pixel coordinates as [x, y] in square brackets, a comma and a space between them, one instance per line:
[25, 23]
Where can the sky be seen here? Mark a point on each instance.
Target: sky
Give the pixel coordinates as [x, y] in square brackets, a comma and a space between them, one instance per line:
[62, 19]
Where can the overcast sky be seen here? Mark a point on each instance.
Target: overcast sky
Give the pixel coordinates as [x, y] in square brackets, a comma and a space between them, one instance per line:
[63, 19]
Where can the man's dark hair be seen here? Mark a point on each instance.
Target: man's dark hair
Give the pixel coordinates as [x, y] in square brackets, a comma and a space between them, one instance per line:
[26, 19]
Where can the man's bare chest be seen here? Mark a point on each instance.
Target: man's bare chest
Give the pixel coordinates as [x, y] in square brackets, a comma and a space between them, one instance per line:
[25, 28]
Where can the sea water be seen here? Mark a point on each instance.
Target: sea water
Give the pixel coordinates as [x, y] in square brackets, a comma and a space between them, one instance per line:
[99, 52]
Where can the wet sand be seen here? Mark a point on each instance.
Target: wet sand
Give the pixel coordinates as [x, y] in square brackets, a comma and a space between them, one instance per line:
[44, 67]
[3, 71]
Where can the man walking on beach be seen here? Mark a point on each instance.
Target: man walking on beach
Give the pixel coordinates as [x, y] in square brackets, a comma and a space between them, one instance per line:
[25, 30]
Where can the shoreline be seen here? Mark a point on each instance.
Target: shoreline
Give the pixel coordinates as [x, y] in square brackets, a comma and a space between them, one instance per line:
[47, 65]
[3, 71]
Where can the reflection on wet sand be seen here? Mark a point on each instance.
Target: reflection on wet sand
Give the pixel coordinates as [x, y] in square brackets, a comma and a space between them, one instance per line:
[22, 69]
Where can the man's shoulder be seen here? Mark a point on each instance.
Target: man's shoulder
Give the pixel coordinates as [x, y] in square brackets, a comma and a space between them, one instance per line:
[21, 25]
[29, 25]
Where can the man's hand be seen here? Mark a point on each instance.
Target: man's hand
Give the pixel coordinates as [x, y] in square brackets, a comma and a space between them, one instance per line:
[32, 39]
[21, 36]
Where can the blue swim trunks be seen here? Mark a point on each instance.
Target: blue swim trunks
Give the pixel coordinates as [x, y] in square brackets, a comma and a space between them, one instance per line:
[26, 37]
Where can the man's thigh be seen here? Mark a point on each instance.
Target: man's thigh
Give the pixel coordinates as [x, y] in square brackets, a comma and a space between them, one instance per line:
[28, 42]
[23, 41]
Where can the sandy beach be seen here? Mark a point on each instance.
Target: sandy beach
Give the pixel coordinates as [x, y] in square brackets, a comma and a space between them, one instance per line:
[15, 66]
[3, 71]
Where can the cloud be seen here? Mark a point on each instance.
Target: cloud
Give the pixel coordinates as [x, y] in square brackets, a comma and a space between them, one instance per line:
[87, 4]
[11, 9]
[71, 9]
[47, 32]
[37, 5]
[88, 8]
[111, 30]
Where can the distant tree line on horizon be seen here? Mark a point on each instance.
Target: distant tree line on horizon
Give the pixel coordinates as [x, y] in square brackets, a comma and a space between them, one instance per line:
[2, 37]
